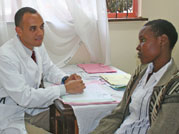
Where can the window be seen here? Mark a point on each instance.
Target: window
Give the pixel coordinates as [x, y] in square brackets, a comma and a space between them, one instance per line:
[122, 8]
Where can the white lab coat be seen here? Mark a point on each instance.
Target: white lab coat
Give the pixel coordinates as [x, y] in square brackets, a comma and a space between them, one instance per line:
[20, 78]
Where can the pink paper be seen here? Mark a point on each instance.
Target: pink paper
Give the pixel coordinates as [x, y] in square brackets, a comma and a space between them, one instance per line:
[96, 68]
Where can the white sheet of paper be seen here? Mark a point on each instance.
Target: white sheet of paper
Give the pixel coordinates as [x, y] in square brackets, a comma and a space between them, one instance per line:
[92, 93]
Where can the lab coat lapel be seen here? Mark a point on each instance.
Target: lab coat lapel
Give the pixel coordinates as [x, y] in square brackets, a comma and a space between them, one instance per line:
[23, 55]
[26, 59]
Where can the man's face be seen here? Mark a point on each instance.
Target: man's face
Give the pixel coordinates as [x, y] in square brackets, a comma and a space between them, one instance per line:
[31, 30]
[149, 48]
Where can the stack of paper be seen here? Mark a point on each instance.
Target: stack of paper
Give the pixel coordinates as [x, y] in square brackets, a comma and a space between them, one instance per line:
[93, 94]
[116, 80]
[96, 68]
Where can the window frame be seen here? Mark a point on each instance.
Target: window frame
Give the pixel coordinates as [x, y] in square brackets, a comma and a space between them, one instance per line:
[125, 15]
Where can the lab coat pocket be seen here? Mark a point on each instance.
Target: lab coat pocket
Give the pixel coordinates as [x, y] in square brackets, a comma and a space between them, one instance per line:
[8, 114]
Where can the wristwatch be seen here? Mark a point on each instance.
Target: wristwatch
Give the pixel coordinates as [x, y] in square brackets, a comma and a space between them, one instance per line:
[64, 79]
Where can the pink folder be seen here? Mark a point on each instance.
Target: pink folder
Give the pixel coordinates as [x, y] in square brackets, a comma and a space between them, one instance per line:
[96, 68]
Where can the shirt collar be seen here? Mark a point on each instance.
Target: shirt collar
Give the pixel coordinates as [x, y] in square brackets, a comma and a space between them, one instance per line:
[160, 72]
[27, 50]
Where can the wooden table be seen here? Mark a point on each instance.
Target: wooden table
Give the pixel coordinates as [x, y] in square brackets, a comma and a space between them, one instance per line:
[62, 117]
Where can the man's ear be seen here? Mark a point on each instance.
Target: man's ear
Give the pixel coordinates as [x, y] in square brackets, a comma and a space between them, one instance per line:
[18, 31]
[164, 40]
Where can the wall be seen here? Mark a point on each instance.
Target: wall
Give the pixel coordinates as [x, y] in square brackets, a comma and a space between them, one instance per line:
[124, 35]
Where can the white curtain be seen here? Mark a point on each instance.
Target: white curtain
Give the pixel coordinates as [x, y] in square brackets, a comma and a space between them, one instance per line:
[67, 24]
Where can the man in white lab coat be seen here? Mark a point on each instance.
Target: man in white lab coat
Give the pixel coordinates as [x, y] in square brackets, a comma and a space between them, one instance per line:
[20, 75]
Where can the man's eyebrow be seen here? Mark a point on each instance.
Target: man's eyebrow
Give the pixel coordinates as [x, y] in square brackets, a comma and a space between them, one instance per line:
[33, 26]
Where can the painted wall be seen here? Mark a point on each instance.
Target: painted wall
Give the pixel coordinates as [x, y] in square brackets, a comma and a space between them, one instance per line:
[124, 35]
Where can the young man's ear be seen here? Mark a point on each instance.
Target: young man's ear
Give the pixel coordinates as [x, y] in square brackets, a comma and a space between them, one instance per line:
[164, 40]
[18, 31]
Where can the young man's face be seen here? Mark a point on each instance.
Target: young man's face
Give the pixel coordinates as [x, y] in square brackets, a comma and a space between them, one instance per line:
[149, 48]
[31, 30]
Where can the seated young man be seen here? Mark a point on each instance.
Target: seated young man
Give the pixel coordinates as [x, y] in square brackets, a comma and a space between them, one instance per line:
[150, 104]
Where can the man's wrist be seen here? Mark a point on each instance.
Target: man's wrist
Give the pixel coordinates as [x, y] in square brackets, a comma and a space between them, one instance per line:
[64, 79]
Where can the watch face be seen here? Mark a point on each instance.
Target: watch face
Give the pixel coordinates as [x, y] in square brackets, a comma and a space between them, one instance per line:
[64, 79]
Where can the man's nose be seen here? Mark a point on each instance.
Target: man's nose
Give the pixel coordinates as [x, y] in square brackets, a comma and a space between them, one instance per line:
[40, 31]
[138, 47]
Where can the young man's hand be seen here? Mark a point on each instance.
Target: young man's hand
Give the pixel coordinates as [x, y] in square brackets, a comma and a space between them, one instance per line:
[73, 77]
[74, 86]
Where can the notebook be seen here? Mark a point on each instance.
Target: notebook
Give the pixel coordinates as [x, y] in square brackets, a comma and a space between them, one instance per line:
[93, 94]
[116, 79]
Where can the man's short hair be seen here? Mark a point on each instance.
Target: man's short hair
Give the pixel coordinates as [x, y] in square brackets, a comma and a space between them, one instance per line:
[160, 27]
[20, 13]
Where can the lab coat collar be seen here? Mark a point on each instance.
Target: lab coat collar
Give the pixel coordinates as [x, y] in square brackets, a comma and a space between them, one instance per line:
[19, 48]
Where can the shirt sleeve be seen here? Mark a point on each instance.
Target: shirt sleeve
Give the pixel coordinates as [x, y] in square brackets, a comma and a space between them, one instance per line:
[51, 73]
[167, 121]
[13, 84]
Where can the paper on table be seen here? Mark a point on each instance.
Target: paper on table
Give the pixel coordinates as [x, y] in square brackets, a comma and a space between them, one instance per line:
[117, 79]
[96, 68]
[93, 94]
